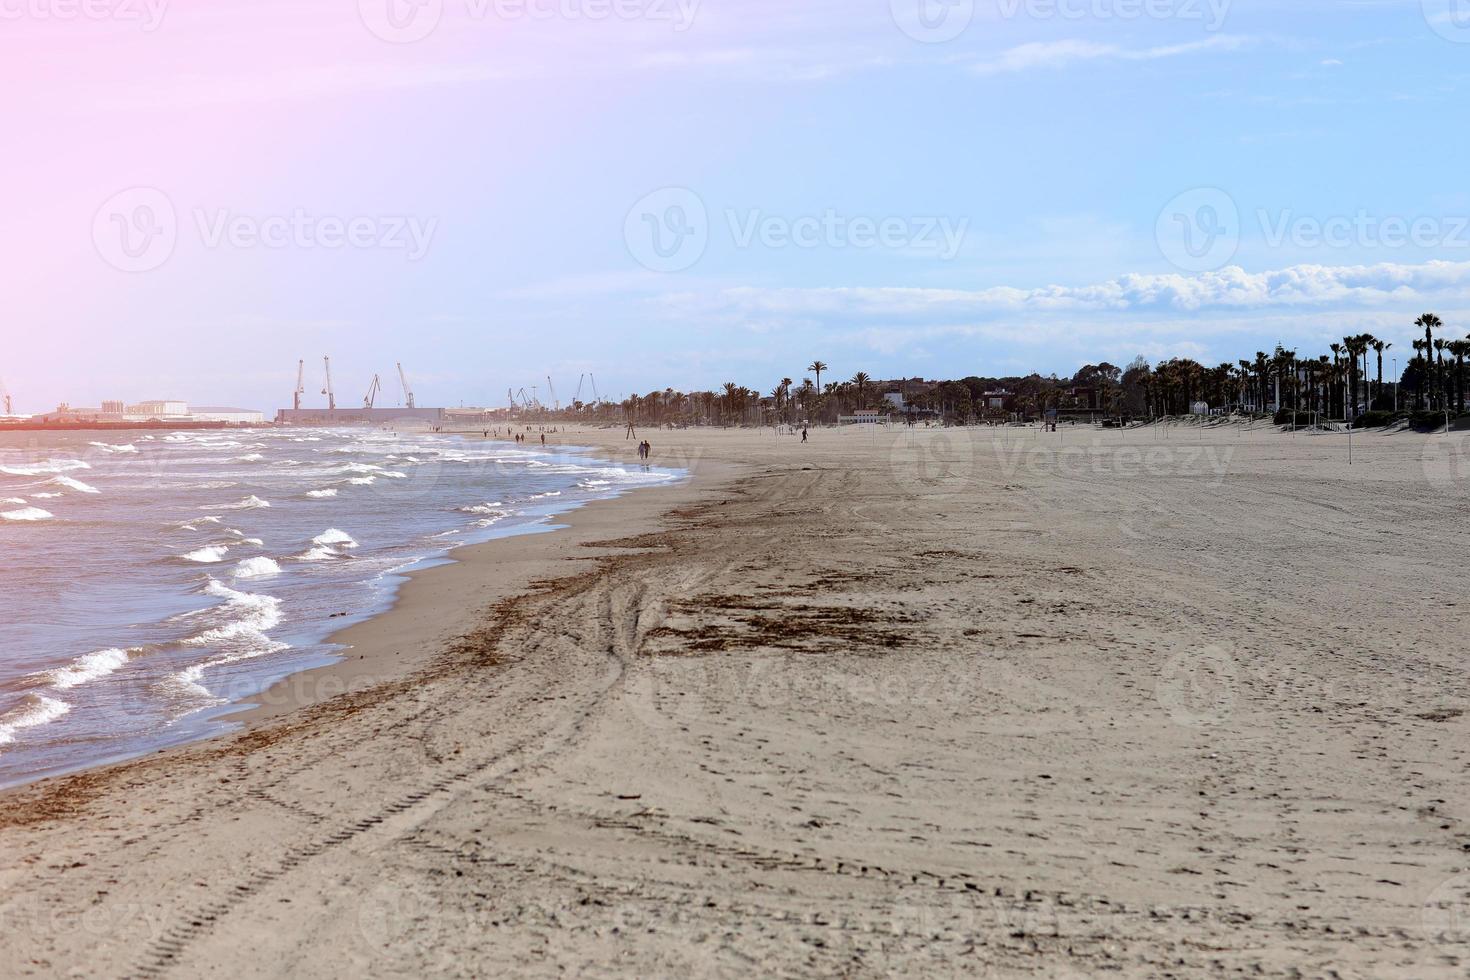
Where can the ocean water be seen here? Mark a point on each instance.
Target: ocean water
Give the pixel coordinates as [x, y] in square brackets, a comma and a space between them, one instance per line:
[151, 580]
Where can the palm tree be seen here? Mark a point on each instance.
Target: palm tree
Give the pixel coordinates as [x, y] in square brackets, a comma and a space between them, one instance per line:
[1419, 402]
[860, 381]
[1354, 347]
[1430, 323]
[1441, 381]
[1459, 349]
[817, 367]
[1380, 347]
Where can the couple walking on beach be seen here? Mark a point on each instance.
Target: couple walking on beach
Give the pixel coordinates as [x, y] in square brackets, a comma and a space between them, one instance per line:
[644, 450]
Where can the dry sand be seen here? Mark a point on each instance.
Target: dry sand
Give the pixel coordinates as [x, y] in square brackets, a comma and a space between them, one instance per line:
[1170, 703]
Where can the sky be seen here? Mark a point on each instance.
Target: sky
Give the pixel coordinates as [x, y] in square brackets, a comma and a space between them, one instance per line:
[199, 194]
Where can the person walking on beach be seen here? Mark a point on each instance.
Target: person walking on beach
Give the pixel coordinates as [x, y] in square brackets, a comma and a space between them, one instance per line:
[803, 433]
[543, 438]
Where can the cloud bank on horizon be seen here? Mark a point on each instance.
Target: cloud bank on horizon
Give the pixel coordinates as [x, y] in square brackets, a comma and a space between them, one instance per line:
[684, 192]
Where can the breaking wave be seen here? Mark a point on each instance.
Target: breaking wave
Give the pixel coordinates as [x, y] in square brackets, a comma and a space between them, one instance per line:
[47, 468]
[27, 514]
[84, 669]
[34, 711]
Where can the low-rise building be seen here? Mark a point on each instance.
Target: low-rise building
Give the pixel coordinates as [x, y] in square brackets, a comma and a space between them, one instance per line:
[235, 416]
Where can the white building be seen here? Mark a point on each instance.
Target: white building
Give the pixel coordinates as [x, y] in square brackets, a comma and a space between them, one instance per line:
[161, 409]
[236, 416]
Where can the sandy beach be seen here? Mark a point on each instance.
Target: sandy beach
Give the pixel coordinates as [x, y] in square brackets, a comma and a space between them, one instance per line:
[986, 702]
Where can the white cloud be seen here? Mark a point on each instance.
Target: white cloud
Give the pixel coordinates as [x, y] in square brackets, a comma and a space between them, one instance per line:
[1059, 54]
[1232, 289]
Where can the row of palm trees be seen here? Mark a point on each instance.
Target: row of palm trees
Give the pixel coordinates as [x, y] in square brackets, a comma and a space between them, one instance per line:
[1342, 384]
[735, 404]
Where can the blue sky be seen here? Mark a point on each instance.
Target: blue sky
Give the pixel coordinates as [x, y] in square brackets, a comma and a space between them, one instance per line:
[1013, 197]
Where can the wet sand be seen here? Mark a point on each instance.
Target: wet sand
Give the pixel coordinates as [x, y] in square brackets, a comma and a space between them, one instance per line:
[1173, 702]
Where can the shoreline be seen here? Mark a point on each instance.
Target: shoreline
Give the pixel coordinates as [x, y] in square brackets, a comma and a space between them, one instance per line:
[433, 606]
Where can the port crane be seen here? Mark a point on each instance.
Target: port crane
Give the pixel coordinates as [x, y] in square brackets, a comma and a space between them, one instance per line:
[5, 398]
[372, 395]
[331, 395]
[300, 384]
[407, 391]
[556, 403]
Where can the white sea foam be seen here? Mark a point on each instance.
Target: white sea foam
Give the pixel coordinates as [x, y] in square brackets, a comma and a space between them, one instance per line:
[257, 568]
[249, 503]
[243, 539]
[332, 536]
[322, 494]
[34, 711]
[13, 500]
[241, 622]
[493, 509]
[211, 555]
[128, 448]
[249, 458]
[84, 669]
[363, 481]
[49, 496]
[77, 485]
[318, 554]
[27, 514]
[46, 468]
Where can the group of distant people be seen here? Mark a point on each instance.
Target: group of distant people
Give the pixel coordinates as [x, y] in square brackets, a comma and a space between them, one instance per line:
[517, 436]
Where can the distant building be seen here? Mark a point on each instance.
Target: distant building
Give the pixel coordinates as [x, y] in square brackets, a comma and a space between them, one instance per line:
[113, 408]
[235, 416]
[162, 409]
[866, 416]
